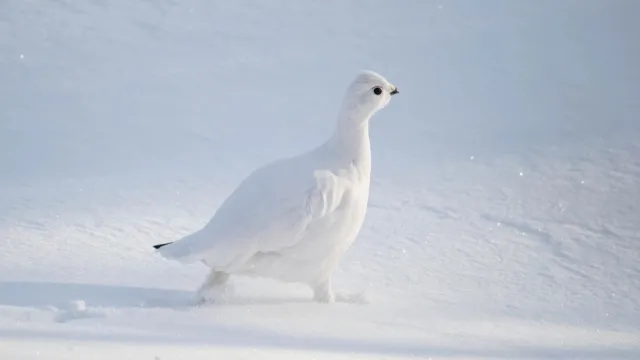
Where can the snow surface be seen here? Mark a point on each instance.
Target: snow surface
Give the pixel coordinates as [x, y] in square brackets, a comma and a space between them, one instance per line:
[505, 194]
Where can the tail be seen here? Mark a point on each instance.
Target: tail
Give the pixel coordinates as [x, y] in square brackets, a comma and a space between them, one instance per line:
[161, 245]
[183, 250]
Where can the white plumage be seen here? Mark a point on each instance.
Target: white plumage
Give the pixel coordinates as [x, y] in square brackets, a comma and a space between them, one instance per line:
[293, 219]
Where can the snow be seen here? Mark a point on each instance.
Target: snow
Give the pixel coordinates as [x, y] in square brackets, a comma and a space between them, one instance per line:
[126, 125]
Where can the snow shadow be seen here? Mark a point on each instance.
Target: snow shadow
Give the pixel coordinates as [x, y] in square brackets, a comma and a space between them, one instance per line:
[225, 336]
[60, 295]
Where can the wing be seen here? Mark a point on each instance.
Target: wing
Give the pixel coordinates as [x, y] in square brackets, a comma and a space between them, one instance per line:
[271, 210]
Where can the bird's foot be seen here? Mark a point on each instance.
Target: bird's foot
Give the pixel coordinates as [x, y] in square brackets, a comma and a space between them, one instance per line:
[322, 293]
[214, 295]
[324, 297]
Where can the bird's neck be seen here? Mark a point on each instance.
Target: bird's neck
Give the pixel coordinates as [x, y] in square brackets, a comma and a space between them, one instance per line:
[350, 139]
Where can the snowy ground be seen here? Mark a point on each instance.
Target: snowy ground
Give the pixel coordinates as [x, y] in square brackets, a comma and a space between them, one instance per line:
[504, 211]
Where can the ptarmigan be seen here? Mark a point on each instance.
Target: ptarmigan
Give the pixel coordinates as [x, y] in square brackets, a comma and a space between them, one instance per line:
[294, 218]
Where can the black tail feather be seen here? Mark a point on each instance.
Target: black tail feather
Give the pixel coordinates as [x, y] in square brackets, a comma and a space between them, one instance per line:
[161, 245]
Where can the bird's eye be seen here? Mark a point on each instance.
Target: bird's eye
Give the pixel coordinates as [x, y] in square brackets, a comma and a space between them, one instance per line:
[377, 90]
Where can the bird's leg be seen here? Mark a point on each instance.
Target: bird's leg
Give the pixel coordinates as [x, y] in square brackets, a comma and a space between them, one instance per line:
[323, 293]
[214, 288]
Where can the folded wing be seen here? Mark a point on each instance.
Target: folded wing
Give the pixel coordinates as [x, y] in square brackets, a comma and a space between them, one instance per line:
[266, 213]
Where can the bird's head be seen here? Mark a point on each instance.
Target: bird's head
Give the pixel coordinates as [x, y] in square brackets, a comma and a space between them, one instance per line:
[368, 93]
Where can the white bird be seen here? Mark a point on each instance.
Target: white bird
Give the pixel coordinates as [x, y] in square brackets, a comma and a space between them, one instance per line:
[293, 219]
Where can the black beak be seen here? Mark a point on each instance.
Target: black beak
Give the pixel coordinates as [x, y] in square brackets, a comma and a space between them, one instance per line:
[394, 91]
